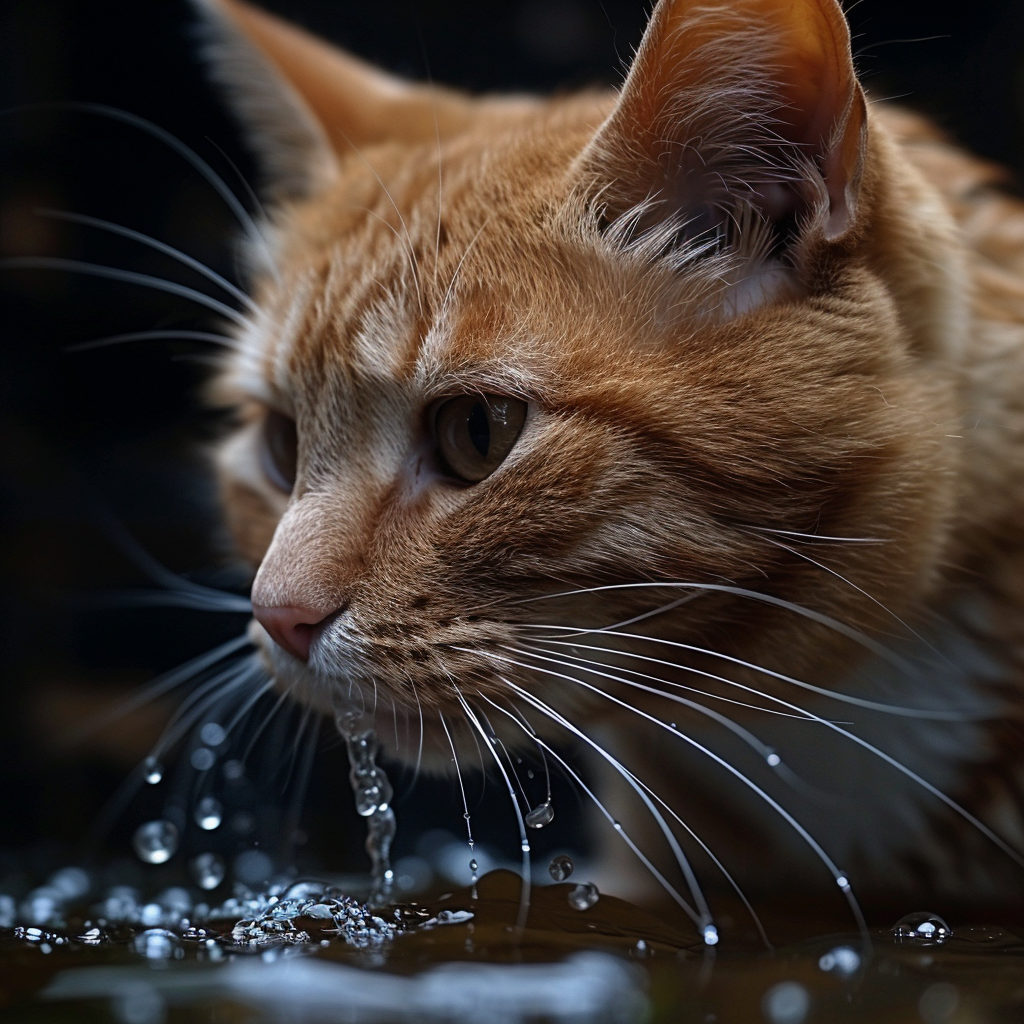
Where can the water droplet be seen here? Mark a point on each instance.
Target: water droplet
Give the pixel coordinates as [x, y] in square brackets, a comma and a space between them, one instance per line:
[529, 773]
[208, 870]
[773, 759]
[561, 868]
[786, 1003]
[710, 935]
[525, 846]
[209, 813]
[233, 770]
[843, 960]
[213, 734]
[473, 866]
[543, 814]
[156, 944]
[203, 759]
[843, 882]
[156, 842]
[154, 771]
[583, 896]
[921, 929]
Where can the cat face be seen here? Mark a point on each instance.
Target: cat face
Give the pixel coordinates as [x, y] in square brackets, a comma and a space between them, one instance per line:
[525, 368]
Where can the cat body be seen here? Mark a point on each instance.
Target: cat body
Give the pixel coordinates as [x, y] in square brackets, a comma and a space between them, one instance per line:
[642, 424]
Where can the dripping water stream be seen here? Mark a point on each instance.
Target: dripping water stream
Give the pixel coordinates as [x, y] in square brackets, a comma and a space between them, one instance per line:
[373, 793]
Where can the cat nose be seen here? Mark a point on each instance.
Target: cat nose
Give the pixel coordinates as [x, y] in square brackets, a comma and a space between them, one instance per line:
[292, 627]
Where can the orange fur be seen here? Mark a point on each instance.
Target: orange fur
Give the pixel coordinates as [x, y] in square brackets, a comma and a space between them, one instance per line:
[743, 306]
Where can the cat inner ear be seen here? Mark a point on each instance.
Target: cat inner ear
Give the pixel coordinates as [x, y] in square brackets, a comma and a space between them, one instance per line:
[740, 126]
[306, 103]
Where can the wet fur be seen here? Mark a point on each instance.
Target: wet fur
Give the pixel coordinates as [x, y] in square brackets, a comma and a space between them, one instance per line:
[701, 409]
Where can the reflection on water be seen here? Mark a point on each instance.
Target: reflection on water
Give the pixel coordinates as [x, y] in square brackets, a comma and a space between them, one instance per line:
[307, 953]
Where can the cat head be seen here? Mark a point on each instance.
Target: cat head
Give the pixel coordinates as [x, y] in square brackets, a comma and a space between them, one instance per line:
[524, 367]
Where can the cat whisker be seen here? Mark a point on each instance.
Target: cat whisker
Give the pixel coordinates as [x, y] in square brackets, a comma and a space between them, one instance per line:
[458, 268]
[126, 277]
[214, 601]
[410, 249]
[1016, 856]
[766, 753]
[204, 697]
[845, 698]
[701, 916]
[168, 335]
[820, 537]
[218, 184]
[524, 891]
[841, 880]
[807, 558]
[162, 247]
[462, 786]
[161, 685]
[672, 813]
[755, 595]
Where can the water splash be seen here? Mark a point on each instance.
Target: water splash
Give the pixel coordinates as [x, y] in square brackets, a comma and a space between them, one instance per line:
[373, 793]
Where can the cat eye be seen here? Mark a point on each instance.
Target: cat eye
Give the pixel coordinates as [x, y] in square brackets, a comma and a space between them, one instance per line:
[475, 433]
[279, 454]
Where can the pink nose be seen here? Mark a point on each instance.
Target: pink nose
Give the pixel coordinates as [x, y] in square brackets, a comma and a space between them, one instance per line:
[291, 628]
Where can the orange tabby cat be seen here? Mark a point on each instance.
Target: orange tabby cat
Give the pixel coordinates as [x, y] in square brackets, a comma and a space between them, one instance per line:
[676, 431]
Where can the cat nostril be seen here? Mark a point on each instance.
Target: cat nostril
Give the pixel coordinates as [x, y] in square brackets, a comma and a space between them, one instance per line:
[293, 628]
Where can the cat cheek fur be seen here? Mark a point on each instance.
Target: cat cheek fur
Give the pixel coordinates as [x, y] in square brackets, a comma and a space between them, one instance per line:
[738, 312]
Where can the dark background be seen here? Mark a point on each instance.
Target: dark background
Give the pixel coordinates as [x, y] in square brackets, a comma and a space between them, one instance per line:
[97, 442]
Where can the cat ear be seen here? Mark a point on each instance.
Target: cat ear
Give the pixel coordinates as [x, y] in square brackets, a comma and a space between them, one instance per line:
[305, 102]
[736, 118]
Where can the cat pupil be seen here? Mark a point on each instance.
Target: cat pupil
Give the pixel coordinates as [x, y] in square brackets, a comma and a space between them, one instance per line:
[479, 429]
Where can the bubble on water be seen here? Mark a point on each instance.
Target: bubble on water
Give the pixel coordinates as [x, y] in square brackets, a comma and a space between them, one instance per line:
[710, 935]
[561, 868]
[938, 1003]
[213, 734]
[156, 842]
[583, 896]
[202, 759]
[72, 882]
[157, 944]
[209, 813]
[137, 1002]
[843, 960]
[921, 929]
[543, 814]
[786, 1003]
[253, 867]
[154, 771]
[208, 870]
